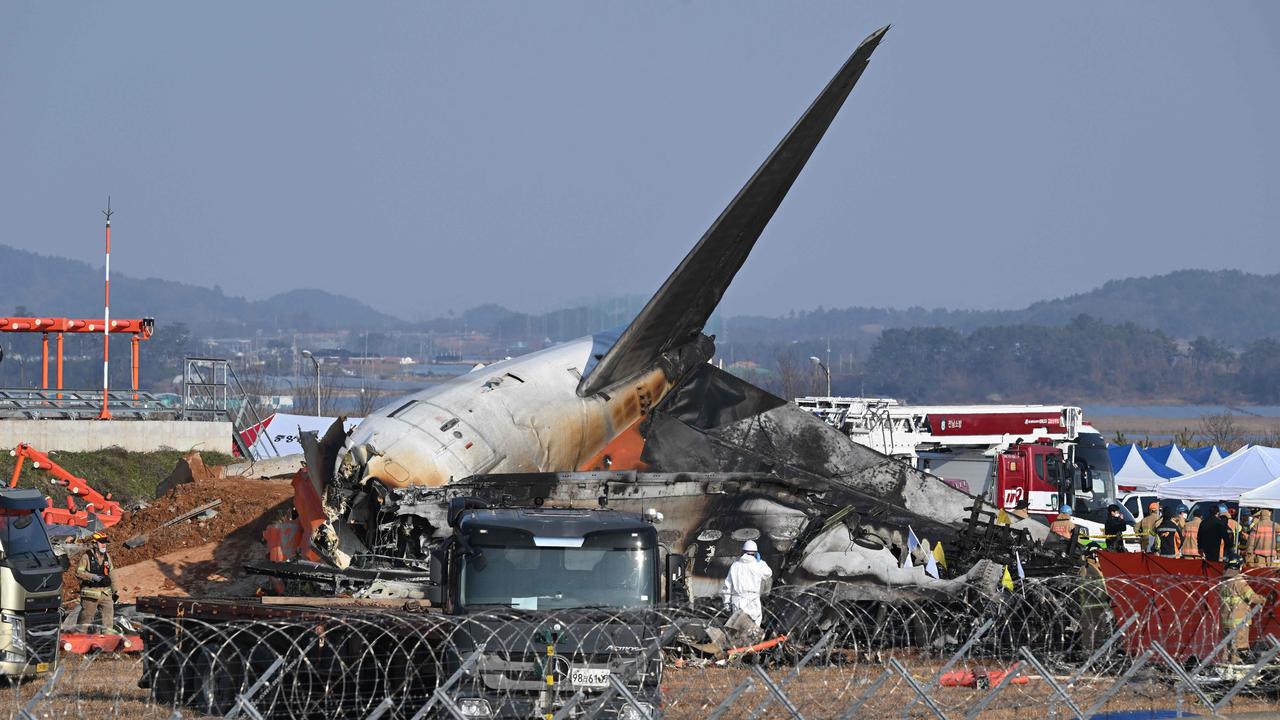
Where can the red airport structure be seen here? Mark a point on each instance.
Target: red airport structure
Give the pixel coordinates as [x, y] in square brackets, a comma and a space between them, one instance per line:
[141, 329]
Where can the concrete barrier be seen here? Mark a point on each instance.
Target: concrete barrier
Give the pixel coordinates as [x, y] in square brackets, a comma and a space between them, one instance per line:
[135, 435]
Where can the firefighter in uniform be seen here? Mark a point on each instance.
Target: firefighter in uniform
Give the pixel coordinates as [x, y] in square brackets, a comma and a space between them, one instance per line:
[1235, 596]
[1146, 527]
[1062, 525]
[1260, 547]
[1190, 538]
[97, 586]
[1168, 535]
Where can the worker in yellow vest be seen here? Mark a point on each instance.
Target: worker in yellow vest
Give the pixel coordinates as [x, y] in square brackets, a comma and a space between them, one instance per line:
[1260, 548]
[1146, 527]
[1062, 525]
[1190, 539]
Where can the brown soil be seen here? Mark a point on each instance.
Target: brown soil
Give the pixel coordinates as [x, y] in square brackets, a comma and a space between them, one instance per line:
[194, 556]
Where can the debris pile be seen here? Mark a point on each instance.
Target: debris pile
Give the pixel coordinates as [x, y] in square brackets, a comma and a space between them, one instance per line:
[198, 554]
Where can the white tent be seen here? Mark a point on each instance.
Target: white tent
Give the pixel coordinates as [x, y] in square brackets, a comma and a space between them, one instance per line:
[1244, 470]
[1138, 469]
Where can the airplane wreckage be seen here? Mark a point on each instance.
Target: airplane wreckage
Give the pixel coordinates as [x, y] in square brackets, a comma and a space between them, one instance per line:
[639, 420]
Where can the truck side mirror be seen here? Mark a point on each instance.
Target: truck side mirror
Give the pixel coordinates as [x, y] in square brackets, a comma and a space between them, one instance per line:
[677, 590]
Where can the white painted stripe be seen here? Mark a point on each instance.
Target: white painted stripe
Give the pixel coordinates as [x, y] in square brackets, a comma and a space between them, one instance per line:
[104, 375]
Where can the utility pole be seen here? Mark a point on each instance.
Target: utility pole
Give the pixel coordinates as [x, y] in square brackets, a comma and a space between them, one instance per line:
[818, 361]
[314, 361]
[106, 318]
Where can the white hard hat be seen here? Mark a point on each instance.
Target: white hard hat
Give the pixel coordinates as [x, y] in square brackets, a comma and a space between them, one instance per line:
[749, 546]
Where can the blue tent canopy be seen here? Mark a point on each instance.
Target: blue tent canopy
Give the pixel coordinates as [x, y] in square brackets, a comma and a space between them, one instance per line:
[1137, 468]
[1176, 458]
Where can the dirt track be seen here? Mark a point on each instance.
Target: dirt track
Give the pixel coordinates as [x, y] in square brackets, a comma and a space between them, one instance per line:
[194, 556]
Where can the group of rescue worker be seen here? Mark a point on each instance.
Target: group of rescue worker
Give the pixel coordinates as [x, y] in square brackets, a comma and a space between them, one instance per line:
[1166, 531]
[1219, 536]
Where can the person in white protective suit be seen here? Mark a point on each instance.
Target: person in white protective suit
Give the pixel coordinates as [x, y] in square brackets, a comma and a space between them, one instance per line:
[744, 583]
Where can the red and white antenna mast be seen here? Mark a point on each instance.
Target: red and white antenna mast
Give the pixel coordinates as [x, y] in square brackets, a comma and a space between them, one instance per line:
[106, 317]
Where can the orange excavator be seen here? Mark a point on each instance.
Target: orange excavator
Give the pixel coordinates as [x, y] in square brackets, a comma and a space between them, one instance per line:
[95, 506]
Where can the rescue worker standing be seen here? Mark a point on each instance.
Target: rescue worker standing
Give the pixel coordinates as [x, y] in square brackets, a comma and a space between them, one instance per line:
[97, 586]
[1260, 547]
[1235, 596]
[1168, 535]
[1190, 533]
[1114, 529]
[1022, 510]
[1062, 525]
[1215, 538]
[745, 582]
[1146, 527]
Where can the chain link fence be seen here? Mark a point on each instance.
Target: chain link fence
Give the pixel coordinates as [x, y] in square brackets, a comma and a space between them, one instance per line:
[1060, 647]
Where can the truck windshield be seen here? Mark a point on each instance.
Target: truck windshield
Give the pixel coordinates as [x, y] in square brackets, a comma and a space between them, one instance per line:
[21, 532]
[1095, 467]
[611, 570]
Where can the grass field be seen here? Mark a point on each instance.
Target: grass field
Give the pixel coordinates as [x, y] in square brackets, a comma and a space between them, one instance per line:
[128, 476]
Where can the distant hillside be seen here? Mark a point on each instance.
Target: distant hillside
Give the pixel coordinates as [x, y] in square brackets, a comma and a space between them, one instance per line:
[1226, 305]
[59, 287]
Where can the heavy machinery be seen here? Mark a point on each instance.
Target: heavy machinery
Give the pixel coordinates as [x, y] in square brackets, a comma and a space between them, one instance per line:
[99, 511]
[30, 587]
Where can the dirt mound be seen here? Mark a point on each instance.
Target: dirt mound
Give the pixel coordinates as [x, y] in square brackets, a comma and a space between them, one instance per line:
[225, 541]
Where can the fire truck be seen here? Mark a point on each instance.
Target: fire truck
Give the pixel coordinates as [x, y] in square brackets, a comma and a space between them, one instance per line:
[1044, 454]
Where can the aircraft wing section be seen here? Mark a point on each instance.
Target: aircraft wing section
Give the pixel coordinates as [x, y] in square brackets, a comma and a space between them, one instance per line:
[678, 311]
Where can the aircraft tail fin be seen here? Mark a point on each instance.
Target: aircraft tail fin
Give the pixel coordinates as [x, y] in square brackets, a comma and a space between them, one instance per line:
[677, 313]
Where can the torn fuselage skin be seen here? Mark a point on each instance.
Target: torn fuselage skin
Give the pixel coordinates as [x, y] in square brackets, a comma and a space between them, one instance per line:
[519, 415]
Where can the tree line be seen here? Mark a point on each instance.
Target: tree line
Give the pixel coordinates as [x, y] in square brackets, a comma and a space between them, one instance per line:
[1086, 359]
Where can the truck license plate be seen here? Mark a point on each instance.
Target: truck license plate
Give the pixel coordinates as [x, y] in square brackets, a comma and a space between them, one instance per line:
[589, 677]
[42, 667]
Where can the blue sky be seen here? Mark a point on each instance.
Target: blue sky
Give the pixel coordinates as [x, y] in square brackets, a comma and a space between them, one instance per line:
[434, 156]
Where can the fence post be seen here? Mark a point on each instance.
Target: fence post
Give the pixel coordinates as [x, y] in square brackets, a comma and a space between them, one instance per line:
[440, 696]
[795, 672]
[921, 693]
[1257, 668]
[852, 711]
[955, 658]
[28, 711]
[1222, 644]
[1106, 646]
[1000, 686]
[777, 692]
[1120, 682]
[730, 699]
[1048, 678]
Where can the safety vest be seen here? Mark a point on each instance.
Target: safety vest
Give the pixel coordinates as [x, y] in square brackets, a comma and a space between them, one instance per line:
[1169, 540]
[1261, 546]
[99, 565]
[1061, 525]
[1190, 543]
